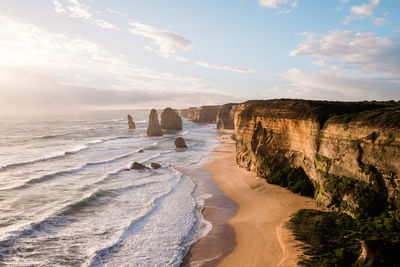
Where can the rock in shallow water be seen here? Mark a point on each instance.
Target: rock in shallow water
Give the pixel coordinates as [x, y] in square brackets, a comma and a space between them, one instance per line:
[155, 165]
[138, 166]
[180, 142]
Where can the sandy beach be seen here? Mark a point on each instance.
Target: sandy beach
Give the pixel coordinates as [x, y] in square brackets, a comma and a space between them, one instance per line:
[262, 210]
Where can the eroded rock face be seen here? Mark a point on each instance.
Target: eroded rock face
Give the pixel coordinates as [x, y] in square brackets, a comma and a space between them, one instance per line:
[154, 128]
[170, 120]
[180, 142]
[227, 115]
[203, 114]
[131, 123]
[358, 148]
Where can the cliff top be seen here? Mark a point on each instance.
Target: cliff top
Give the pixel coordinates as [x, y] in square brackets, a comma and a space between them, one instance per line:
[380, 113]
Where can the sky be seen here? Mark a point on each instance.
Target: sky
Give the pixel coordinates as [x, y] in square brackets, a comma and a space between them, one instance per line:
[140, 54]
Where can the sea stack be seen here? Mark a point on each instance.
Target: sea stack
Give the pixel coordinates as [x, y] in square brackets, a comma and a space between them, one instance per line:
[170, 120]
[154, 128]
[131, 123]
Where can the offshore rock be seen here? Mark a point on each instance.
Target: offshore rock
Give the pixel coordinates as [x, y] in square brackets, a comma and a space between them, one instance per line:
[170, 120]
[180, 142]
[155, 165]
[131, 123]
[154, 128]
[138, 166]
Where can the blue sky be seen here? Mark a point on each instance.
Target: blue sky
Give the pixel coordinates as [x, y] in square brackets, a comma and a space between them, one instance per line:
[138, 54]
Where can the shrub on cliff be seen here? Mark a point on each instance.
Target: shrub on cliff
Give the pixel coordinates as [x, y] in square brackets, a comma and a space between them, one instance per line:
[367, 201]
[328, 238]
[293, 178]
[334, 239]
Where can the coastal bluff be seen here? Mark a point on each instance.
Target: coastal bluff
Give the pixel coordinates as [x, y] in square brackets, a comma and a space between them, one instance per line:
[349, 150]
[203, 114]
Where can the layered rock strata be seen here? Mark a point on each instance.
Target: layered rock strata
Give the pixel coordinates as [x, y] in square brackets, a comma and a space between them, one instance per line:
[203, 114]
[350, 151]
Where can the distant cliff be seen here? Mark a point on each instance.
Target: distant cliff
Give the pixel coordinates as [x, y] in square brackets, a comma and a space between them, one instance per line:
[350, 151]
[203, 114]
[226, 115]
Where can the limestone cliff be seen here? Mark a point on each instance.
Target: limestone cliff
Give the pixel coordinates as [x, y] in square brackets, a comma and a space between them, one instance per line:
[203, 114]
[351, 151]
[227, 115]
[170, 120]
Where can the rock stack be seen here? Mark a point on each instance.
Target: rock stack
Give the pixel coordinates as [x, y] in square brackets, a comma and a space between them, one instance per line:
[131, 123]
[170, 120]
[154, 128]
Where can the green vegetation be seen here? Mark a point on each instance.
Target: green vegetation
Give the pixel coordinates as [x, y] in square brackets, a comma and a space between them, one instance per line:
[328, 238]
[334, 239]
[368, 202]
[295, 179]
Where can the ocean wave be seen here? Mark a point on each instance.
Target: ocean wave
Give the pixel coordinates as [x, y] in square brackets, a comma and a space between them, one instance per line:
[66, 215]
[50, 176]
[56, 156]
[101, 256]
[63, 154]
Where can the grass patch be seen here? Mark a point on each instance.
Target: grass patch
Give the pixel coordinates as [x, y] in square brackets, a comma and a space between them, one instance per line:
[295, 179]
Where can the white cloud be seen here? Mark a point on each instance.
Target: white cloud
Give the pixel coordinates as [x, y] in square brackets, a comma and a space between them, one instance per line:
[105, 24]
[362, 11]
[75, 9]
[362, 51]
[79, 62]
[166, 43]
[221, 67]
[277, 3]
[79, 11]
[58, 7]
[24, 91]
[329, 86]
[113, 11]
[379, 21]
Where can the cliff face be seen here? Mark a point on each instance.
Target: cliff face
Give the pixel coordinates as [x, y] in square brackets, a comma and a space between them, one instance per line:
[350, 151]
[227, 115]
[203, 114]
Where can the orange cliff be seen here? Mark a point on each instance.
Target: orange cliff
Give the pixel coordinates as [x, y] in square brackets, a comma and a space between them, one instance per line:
[357, 143]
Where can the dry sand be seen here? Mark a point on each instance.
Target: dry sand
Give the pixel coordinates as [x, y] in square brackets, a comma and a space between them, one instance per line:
[261, 238]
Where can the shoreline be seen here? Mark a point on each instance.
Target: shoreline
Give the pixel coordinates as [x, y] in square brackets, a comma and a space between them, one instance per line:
[259, 236]
[218, 210]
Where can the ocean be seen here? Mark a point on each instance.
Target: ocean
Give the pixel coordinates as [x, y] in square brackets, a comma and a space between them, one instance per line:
[68, 197]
